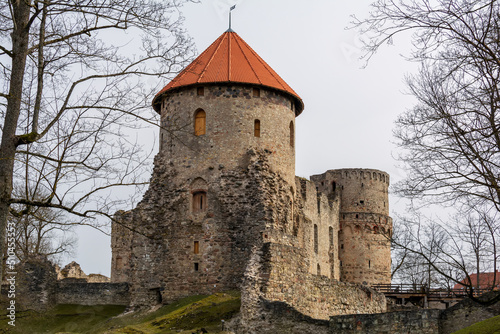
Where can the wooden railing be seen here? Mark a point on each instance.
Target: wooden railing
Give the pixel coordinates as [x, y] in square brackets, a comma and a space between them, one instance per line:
[420, 289]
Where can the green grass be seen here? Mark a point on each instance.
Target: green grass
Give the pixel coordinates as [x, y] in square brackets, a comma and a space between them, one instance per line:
[61, 319]
[184, 316]
[488, 326]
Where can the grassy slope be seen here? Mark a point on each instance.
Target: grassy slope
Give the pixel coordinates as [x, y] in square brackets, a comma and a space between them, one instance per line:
[488, 326]
[184, 316]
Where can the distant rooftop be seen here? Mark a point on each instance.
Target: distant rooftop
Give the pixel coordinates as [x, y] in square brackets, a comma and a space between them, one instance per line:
[230, 60]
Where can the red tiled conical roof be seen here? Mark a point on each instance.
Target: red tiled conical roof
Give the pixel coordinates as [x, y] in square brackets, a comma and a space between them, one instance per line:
[229, 59]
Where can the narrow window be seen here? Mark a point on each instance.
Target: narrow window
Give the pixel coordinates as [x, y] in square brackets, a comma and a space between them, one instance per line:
[341, 263]
[316, 238]
[342, 246]
[362, 202]
[369, 264]
[256, 128]
[196, 248]
[256, 92]
[200, 123]
[292, 135]
[199, 201]
[334, 186]
[331, 235]
[357, 216]
[318, 269]
[200, 91]
[196, 266]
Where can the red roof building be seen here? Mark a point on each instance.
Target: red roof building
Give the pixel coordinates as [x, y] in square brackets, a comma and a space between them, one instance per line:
[486, 281]
[230, 60]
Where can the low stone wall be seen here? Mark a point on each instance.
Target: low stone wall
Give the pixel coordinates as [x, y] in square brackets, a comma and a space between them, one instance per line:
[417, 321]
[93, 293]
[278, 317]
[466, 313]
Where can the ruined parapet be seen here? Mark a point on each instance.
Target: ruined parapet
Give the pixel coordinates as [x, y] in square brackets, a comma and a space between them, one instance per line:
[365, 225]
[71, 271]
[36, 284]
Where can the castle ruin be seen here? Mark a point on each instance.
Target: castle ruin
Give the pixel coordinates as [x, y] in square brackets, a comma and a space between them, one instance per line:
[225, 210]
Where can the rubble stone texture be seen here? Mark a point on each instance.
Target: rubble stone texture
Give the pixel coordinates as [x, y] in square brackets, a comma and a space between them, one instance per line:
[224, 210]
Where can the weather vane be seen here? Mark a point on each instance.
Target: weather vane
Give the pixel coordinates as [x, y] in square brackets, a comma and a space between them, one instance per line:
[230, 10]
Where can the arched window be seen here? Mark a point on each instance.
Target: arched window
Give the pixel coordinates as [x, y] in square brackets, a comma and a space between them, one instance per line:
[256, 128]
[200, 123]
[292, 135]
[199, 201]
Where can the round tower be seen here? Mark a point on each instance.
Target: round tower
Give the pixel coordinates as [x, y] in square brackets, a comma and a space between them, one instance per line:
[227, 140]
[365, 225]
[224, 103]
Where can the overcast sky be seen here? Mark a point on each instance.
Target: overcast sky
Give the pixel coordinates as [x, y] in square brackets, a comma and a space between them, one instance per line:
[349, 111]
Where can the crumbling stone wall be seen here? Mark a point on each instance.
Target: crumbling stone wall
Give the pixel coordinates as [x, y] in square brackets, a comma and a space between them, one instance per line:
[365, 225]
[36, 284]
[242, 204]
[92, 293]
[466, 313]
[226, 204]
[416, 321]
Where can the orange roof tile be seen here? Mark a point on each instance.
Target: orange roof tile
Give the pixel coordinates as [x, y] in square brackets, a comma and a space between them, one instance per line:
[231, 60]
[485, 280]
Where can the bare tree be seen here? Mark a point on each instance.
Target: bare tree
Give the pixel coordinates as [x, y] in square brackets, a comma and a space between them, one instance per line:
[450, 140]
[75, 76]
[42, 231]
[442, 255]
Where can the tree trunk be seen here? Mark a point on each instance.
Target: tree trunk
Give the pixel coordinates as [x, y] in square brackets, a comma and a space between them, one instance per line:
[20, 39]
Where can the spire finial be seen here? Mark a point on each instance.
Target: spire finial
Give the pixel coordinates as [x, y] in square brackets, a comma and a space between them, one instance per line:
[230, 10]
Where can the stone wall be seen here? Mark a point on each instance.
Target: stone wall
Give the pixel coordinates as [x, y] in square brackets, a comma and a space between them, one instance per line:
[466, 313]
[231, 111]
[286, 280]
[416, 321]
[365, 225]
[174, 249]
[92, 293]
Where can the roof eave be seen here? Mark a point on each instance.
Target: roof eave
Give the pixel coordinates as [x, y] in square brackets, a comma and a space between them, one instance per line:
[299, 104]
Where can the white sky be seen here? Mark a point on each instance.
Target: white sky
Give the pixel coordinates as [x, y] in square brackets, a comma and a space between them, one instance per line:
[349, 111]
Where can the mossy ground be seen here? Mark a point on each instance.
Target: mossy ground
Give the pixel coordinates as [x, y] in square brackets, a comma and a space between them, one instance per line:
[488, 326]
[188, 315]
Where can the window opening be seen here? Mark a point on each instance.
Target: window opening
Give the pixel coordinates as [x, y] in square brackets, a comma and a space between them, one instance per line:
[196, 248]
[200, 123]
[256, 128]
[256, 92]
[199, 201]
[196, 266]
[200, 91]
[292, 135]
[316, 238]
[331, 235]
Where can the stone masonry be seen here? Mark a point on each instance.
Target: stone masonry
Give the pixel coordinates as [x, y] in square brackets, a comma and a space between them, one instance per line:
[225, 210]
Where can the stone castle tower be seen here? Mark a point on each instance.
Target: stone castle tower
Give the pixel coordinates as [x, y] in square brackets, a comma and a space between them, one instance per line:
[225, 210]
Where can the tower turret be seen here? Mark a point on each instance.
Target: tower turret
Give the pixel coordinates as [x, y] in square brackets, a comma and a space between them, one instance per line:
[365, 225]
[225, 102]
